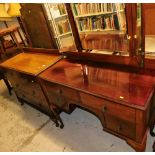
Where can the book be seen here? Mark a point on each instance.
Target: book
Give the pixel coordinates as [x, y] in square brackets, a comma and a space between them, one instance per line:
[63, 26]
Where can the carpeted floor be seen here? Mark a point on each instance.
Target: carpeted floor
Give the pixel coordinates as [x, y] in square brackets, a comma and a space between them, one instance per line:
[23, 128]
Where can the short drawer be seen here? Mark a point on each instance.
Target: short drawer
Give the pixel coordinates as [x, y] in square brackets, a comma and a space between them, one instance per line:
[121, 127]
[38, 101]
[22, 81]
[91, 101]
[63, 91]
[70, 93]
[107, 107]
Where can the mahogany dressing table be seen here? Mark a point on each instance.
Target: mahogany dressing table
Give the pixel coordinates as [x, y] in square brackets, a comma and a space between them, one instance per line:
[121, 100]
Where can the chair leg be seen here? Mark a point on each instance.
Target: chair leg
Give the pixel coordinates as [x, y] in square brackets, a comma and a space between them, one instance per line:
[8, 86]
[153, 146]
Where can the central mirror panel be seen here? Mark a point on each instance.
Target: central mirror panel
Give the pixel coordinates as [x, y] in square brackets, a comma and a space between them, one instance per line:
[102, 27]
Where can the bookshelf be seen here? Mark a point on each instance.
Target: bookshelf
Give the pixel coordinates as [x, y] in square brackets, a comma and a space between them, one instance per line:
[58, 19]
[100, 19]
[99, 16]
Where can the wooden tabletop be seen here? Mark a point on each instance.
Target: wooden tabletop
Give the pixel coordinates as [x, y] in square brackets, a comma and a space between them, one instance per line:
[31, 63]
[123, 87]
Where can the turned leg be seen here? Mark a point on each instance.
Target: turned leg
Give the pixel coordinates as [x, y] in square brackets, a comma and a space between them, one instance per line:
[152, 123]
[151, 131]
[54, 119]
[20, 100]
[153, 146]
[8, 86]
[57, 116]
[60, 120]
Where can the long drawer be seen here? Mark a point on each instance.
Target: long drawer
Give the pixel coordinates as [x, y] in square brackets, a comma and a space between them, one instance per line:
[108, 107]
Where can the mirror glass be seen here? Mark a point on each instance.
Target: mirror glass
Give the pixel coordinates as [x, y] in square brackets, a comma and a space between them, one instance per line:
[149, 12]
[102, 27]
[60, 25]
[138, 35]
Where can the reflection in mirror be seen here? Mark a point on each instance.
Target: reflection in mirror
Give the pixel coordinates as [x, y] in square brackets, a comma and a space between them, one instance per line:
[149, 12]
[102, 27]
[138, 36]
[59, 22]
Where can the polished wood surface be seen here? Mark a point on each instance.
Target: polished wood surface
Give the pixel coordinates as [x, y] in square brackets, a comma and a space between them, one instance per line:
[121, 99]
[31, 63]
[123, 87]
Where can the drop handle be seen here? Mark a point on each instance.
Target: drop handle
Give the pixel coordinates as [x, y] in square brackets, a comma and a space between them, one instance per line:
[104, 109]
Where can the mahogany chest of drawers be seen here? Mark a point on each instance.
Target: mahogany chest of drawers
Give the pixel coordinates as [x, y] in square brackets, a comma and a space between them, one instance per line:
[22, 71]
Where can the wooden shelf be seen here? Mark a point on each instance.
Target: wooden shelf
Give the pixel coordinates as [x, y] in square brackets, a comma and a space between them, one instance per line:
[61, 16]
[97, 14]
[111, 31]
[64, 34]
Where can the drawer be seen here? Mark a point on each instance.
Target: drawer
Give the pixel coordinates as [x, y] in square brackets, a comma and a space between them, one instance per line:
[27, 88]
[107, 107]
[91, 101]
[22, 81]
[38, 101]
[70, 93]
[62, 91]
[121, 127]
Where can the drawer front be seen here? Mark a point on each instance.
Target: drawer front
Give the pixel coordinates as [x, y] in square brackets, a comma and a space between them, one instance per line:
[108, 107]
[27, 88]
[121, 127]
[91, 101]
[38, 101]
[22, 81]
[60, 95]
[119, 111]
[70, 93]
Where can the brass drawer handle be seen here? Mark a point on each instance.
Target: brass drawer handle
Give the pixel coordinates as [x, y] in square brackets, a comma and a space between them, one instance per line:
[104, 109]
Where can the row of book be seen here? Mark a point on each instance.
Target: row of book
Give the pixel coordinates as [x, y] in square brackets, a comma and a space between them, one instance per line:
[63, 26]
[55, 9]
[61, 9]
[102, 23]
[90, 8]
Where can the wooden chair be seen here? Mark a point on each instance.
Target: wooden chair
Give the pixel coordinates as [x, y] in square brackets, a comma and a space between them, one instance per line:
[11, 32]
